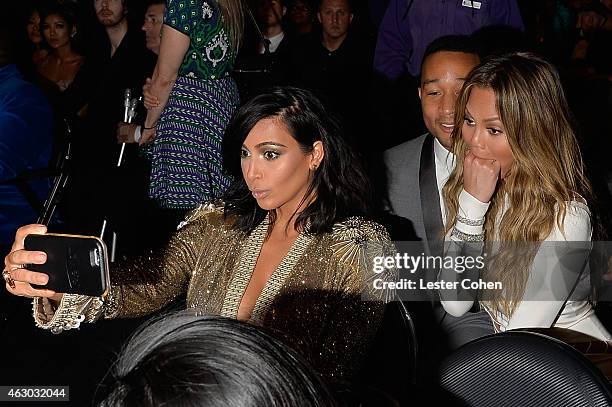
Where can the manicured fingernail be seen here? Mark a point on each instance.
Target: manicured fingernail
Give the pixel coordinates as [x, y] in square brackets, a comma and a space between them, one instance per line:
[42, 279]
[41, 257]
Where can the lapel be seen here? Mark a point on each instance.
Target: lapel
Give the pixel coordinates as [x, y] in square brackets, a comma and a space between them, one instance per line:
[430, 199]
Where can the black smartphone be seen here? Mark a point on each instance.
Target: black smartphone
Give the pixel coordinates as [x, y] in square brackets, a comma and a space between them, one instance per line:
[75, 264]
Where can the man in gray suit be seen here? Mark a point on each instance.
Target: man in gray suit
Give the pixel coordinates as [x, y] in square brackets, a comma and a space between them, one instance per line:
[418, 169]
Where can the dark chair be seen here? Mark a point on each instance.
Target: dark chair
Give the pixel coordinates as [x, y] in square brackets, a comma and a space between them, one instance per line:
[389, 371]
[59, 171]
[522, 369]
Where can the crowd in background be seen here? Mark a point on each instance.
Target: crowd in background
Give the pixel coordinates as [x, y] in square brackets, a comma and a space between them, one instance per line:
[361, 58]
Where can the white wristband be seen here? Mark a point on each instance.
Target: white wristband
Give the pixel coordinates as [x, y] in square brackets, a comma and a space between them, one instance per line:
[137, 134]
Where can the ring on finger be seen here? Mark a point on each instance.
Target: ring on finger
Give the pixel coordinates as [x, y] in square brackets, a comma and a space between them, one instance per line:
[6, 274]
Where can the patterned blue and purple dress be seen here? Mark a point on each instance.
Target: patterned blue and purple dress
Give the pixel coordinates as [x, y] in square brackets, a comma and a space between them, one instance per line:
[186, 167]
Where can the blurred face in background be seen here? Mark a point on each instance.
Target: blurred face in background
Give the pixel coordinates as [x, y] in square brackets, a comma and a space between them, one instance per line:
[335, 17]
[56, 31]
[33, 28]
[300, 13]
[110, 12]
[154, 19]
[270, 12]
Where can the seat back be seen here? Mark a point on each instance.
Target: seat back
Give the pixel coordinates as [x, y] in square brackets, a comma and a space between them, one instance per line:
[522, 369]
[59, 171]
[390, 366]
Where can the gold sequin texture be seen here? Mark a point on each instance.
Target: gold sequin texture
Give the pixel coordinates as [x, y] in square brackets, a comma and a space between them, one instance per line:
[313, 301]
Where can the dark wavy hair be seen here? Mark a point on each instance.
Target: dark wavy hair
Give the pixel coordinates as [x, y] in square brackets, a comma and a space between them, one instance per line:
[340, 184]
[187, 360]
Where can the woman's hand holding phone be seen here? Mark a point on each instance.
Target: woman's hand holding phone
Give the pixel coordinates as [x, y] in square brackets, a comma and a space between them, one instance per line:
[18, 257]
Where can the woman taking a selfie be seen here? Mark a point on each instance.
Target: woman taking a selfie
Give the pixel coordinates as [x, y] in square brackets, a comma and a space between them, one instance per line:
[289, 250]
[517, 186]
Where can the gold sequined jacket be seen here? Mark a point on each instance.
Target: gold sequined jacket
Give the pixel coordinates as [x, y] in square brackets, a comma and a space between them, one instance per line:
[314, 300]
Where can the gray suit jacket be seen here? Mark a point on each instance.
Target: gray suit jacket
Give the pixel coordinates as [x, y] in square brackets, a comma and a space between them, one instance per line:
[413, 194]
[413, 190]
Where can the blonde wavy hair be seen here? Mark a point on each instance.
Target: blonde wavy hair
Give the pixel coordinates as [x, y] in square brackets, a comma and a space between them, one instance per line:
[547, 172]
[233, 12]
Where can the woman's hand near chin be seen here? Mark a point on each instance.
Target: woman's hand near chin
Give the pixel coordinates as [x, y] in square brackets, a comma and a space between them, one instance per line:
[22, 278]
[480, 177]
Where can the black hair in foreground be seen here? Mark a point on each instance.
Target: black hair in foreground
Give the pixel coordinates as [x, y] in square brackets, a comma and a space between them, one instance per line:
[341, 186]
[186, 360]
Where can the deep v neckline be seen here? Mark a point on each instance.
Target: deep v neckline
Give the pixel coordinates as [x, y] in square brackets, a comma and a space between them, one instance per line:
[245, 267]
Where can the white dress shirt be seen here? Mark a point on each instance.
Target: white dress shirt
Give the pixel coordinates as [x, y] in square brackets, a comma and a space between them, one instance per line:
[445, 164]
[274, 42]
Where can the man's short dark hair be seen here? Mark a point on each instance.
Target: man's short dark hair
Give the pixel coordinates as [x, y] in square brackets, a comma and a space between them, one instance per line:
[451, 43]
[156, 2]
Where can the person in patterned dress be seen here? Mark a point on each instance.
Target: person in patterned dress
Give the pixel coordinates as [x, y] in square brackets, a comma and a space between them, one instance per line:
[190, 100]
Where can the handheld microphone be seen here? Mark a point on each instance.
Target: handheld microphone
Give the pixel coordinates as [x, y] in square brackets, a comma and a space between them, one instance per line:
[126, 104]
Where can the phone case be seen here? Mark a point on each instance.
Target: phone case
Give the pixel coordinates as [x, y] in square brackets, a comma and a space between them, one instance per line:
[75, 264]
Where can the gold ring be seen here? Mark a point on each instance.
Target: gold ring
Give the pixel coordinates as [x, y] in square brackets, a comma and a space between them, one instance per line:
[7, 277]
